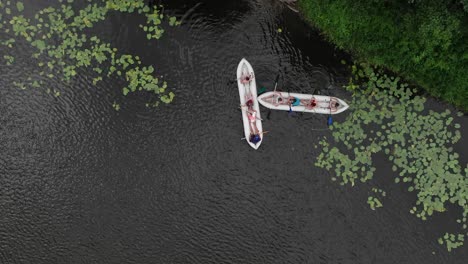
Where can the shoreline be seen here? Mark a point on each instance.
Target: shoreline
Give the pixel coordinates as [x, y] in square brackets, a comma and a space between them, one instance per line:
[344, 39]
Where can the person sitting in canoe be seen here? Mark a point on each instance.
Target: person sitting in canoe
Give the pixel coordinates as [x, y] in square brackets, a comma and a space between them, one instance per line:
[249, 104]
[312, 103]
[277, 101]
[255, 138]
[246, 78]
[255, 134]
[334, 105]
[294, 101]
[252, 116]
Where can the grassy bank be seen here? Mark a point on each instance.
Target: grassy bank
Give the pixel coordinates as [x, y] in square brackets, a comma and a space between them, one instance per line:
[426, 42]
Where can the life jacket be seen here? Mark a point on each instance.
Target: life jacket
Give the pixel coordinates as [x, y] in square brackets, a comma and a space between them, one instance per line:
[296, 102]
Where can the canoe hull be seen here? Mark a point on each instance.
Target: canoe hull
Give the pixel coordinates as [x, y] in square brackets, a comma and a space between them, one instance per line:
[246, 91]
[323, 104]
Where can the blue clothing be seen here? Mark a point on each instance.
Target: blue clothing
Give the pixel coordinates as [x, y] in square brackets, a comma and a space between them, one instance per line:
[296, 102]
[255, 139]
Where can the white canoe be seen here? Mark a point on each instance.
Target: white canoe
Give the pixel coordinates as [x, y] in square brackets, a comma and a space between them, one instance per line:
[248, 91]
[309, 103]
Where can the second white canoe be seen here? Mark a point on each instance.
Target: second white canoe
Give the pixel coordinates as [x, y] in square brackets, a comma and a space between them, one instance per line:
[296, 102]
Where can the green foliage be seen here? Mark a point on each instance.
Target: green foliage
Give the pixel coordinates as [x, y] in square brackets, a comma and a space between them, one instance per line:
[62, 48]
[19, 85]
[465, 4]
[424, 41]
[9, 59]
[374, 202]
[168, 98]
[153, 31]
[173, 21]
[116, 106]
[388, 118]
[452, 240]
[20, 6]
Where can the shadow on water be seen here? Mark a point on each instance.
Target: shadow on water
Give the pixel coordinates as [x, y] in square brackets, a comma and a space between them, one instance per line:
[82, 183]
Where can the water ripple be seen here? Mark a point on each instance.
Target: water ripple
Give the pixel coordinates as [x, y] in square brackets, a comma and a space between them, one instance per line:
[83, 183]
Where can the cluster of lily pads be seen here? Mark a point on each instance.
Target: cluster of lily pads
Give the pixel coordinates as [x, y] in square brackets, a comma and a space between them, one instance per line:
[62, 48]
[388, 117]
[373, 200]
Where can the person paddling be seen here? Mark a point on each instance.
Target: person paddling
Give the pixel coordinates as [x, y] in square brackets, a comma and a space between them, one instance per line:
[255, 138]
[252, 116]
[246, 79]
[294, 101]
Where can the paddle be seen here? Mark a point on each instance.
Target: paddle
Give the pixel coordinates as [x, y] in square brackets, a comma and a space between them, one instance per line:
[274, 90]
[264, 132]
[329, 119]
[290, 112]
[276, 82]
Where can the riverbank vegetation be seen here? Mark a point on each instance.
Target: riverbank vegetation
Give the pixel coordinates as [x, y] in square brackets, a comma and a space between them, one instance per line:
[426, 42]
[389, 119]
[62, 48]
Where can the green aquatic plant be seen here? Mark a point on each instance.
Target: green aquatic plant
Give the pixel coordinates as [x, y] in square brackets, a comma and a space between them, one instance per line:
[452, 240]
[373, 200]
[62, 48]
[116, 106]
[153, 16]
[388, 117]
[9, 59]
[19, 85]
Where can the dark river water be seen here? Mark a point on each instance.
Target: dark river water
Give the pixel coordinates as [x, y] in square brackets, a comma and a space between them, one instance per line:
[83, 183]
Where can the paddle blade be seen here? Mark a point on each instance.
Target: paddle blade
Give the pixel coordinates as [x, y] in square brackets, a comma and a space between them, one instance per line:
[330, 121]
[261, 90]
[276, 82]
[291, 112]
